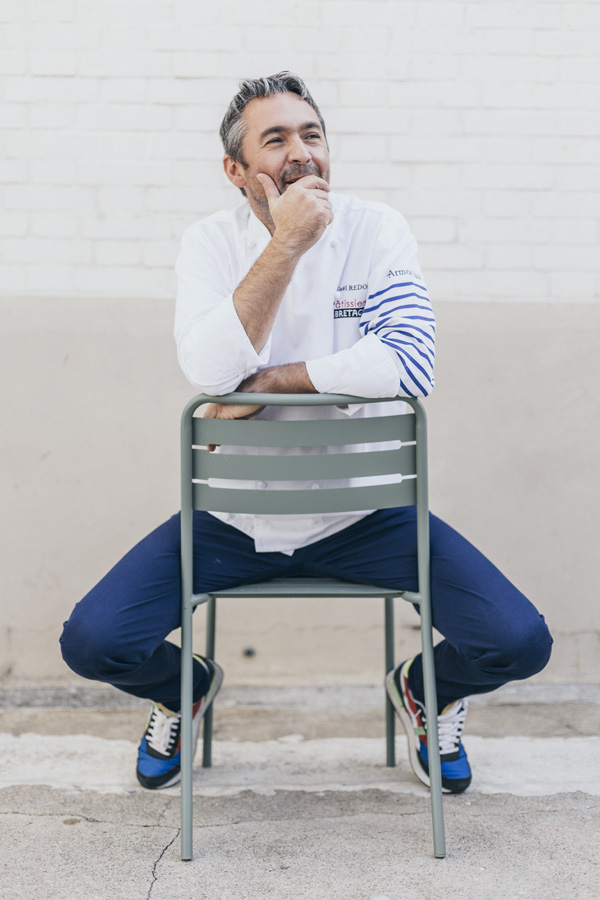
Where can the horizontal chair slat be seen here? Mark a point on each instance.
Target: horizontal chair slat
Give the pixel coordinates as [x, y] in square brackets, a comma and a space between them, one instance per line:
[298, 502]
[316, 433]
[260, 399]
[298, 467]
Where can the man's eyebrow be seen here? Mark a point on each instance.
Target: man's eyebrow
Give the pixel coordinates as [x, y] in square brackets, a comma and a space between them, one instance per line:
[285, 129]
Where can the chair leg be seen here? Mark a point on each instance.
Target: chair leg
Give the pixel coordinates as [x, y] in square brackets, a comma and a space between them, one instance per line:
[211, 616]
[390, 715]
[433, 744]
[187, 749]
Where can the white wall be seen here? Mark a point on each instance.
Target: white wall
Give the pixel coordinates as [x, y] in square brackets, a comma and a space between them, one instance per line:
[479, 120]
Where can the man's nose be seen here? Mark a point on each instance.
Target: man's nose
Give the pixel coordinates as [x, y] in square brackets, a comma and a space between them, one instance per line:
[298, 151]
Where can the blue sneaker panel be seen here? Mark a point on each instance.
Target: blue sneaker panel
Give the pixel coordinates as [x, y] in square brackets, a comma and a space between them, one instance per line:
[455, 769]
[151, 767]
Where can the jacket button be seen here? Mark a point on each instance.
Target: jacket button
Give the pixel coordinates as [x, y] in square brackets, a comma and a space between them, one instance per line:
[261, 485]
[315, 487]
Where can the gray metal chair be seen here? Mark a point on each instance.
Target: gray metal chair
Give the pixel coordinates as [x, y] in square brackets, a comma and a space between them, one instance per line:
[198, 465]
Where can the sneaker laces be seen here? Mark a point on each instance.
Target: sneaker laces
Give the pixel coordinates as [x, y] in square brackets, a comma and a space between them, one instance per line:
[451, 722]
[162, 732]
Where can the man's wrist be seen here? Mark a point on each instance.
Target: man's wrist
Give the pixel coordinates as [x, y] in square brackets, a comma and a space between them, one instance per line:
[292, 378]
[286, 249]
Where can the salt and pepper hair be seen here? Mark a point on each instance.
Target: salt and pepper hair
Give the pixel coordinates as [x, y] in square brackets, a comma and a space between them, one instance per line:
[233, 128]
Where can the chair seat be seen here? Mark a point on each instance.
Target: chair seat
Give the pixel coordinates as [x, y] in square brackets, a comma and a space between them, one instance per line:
[306, 587]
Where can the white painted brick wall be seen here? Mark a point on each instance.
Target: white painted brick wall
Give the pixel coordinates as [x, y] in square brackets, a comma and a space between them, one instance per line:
[479, 120]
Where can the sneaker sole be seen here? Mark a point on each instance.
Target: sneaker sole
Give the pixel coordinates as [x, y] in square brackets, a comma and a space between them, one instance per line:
[152, 786]
[396, 698]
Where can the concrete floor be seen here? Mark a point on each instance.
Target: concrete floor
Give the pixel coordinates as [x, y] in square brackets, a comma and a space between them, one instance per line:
[299, 803]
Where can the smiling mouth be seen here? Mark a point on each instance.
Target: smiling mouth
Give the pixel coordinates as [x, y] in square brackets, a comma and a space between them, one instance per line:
[292, 179]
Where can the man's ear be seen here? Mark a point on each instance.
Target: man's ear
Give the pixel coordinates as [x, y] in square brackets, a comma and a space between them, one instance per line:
[234, 171]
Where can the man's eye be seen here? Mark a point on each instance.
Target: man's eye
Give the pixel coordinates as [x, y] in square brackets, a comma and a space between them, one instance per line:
[274, 141]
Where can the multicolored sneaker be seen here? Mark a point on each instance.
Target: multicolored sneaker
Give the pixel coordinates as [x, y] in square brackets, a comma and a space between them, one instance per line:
[159, 753]
[456, 771]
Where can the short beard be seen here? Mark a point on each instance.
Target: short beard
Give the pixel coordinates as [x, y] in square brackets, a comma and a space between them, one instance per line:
[262, 210]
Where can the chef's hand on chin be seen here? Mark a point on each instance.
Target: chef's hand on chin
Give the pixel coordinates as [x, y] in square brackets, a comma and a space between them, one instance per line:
[301, 214]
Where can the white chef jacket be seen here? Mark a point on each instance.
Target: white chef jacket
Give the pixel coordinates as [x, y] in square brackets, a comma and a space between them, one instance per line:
[356, 312]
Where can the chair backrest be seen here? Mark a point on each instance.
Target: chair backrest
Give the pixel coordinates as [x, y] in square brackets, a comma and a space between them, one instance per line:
[403, 468]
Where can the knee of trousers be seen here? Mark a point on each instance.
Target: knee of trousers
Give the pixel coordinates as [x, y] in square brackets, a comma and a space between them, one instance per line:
[92, 654]
[522, 652]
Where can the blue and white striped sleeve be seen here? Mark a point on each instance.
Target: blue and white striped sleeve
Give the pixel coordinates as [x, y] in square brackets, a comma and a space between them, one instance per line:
[398, 312]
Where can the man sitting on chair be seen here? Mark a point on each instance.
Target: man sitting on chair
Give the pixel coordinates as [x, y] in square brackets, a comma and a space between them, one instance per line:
[300, 290]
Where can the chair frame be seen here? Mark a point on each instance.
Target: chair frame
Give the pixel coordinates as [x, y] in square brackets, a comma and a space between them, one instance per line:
[308, 588]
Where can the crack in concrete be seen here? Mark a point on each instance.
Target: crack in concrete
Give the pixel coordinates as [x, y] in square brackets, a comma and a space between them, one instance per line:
[154, 867]
[34, 815]
[166, 807]
[88, 819]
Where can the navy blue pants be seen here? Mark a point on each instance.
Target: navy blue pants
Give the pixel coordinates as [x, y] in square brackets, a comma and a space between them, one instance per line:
[492, 633]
